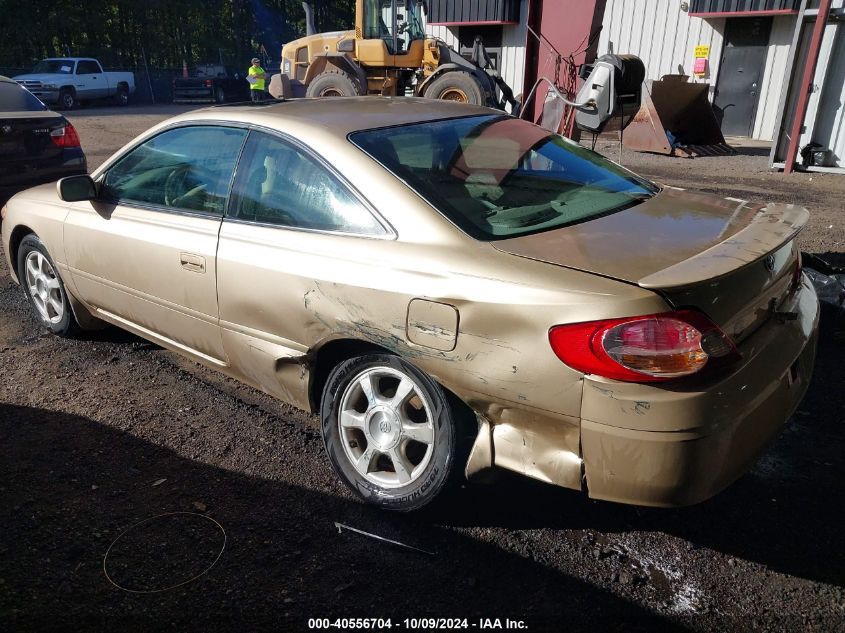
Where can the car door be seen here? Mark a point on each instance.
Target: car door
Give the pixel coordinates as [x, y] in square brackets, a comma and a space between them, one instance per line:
[144, 253]
[91, 82]
[292, 224]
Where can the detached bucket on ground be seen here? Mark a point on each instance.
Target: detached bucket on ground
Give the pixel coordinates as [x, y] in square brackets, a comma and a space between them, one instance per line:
[677, 119]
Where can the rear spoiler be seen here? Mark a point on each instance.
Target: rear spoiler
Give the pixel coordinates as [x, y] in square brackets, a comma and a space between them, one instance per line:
[774, 226]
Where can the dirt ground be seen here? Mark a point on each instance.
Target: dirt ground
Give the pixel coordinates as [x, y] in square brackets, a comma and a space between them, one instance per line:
[101, 433]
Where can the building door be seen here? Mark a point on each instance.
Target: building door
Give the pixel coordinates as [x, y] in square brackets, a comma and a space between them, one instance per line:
[740, 74]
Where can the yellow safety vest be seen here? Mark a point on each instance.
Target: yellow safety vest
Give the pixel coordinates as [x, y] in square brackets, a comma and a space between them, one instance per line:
[259, 83]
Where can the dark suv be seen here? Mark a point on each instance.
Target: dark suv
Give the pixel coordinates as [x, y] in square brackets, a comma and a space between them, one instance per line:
[36, 144]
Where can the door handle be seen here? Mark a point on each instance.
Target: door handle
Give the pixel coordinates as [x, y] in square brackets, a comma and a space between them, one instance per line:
[194, 263]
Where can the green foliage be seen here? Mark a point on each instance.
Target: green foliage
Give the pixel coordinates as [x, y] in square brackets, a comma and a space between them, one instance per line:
[122, 32]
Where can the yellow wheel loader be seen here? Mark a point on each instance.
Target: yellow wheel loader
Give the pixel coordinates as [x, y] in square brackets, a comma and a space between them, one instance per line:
[388, 53]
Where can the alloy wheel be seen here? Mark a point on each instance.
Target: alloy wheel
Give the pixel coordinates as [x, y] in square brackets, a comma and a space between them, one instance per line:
[386, 427]
[44, 287]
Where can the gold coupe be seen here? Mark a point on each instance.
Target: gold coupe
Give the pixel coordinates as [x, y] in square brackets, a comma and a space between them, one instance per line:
[451, 289]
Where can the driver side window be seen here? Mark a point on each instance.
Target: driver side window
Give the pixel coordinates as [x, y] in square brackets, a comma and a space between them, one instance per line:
[186, 168]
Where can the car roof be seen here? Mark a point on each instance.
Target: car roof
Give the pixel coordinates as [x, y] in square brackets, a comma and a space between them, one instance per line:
[340, 116]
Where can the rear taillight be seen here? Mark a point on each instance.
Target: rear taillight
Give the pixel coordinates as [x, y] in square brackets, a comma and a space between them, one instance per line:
[208, 83]
[650, 348]
[65, 137]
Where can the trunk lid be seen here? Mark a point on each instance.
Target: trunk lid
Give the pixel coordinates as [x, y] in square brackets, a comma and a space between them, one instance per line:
[726, 257]
[25, 137]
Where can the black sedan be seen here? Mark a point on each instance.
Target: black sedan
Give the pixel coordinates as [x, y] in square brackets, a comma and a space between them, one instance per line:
[36, 144]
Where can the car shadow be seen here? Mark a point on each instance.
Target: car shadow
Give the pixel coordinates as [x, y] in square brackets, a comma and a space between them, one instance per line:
[787, 513]
[69, 486]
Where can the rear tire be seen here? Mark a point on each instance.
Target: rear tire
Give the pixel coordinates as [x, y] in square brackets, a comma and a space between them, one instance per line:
[333, 82]
[391, 432]
[456, 85]
[44, 289]
[220, 96]
[121, 97]
[67, 99]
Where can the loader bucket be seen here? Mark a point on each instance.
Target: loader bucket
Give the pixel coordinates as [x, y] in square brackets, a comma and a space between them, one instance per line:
[675, 118]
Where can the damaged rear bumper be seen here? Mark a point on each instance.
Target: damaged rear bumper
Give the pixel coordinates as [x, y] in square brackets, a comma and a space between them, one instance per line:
[673, 446]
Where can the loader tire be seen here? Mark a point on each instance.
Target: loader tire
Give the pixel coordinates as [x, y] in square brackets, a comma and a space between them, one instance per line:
[456, 85]
[333, 82]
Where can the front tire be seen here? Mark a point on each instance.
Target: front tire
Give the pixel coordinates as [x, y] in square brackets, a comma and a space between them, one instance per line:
[67, 99]
[44, 288]
[456, 85]
[333, 83]
[390, 431]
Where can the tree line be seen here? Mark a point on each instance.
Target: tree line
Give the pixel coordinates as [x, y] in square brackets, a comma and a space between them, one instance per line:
[159, 33]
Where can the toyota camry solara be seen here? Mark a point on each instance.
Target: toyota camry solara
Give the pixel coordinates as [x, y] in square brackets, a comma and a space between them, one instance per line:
[449, 288]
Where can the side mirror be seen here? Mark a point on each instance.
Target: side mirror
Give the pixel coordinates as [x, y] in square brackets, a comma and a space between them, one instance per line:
[77, 188]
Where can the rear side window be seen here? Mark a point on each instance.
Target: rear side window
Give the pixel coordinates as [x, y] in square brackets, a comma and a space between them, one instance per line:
[188, 168]
[15, 98]
[87, 67]
[498, 177]
[278, 183]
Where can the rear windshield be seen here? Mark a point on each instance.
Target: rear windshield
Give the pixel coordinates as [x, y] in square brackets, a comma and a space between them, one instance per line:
[14, 98]
[498, 177]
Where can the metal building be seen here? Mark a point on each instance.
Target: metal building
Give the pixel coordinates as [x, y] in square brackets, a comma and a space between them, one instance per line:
[751, 53]
[526, 38]
[744, 45]
[754, 53]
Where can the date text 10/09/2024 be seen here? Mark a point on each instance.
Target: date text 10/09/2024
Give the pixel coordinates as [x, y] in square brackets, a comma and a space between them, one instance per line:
[416, 624]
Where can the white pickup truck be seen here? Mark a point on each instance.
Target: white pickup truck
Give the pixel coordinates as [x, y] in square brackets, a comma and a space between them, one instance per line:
[67, 81]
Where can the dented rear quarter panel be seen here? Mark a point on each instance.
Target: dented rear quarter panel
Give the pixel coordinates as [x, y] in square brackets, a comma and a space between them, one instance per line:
[304, 289]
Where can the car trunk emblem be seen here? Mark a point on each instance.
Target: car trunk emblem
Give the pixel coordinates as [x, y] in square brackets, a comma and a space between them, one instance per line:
[769, 263]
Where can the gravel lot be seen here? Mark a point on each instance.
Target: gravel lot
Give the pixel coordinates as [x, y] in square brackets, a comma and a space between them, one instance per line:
[101, 433]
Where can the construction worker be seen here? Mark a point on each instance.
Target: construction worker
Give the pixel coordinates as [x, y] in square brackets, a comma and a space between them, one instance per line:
[256, 77]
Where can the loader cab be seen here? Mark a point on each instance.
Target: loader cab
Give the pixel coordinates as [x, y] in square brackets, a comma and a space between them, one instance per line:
[397, 23]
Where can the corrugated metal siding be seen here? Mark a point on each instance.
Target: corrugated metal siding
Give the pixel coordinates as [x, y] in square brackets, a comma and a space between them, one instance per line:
[513, 54]
[774, 77]
[445, 33]
[473, 10]
[733, 6]
[662, 35]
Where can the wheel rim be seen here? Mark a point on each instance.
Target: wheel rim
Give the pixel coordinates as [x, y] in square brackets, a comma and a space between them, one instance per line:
[454, 94]
[67, 101]
[44, 287]
[386, 427]
[332, 92]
